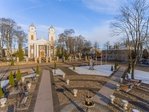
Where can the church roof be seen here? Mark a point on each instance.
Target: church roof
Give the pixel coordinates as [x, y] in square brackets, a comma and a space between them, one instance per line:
[51, 27]
[32, 25]
[41, 42]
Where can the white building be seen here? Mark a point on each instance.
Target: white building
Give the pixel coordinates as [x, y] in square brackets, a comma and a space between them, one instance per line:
[40, 47]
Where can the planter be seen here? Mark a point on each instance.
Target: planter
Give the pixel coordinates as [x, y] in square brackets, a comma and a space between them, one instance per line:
[88, 102]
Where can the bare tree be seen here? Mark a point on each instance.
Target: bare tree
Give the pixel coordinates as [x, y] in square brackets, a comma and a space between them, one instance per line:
[133, 23]
[7, 30]
[10, 33]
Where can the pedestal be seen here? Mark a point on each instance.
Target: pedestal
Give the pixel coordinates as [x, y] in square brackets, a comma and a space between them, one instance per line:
[23, 79]
[86, 58]
[47, 60]
[50, 59]
[39, 59]
[112, 97]
[63, 76]
[75, 91]
[117, 87]
[67, 81]
[17, 59]
[29, 85]
[70, 59]
[125, 104]
[57, 58]
[64, 59]
[35, 60]
[26, 59]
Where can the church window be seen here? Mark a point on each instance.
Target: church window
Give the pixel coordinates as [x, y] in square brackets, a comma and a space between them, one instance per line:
[51, 38]
[32, 37]
[31, 47]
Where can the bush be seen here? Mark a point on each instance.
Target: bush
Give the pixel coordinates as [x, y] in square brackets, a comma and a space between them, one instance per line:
[18, 75]
[11, 79]
[12, 62]
[1, 92]
[37, 69]
[20, 53]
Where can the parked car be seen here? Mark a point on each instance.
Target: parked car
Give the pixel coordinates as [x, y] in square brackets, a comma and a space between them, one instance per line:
[145, 61]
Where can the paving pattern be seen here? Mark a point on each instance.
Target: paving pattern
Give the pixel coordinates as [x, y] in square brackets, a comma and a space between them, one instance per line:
[103, 95]
[44, 101]
[67, 71]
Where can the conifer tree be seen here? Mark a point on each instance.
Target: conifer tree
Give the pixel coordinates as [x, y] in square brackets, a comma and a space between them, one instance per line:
[37, 69]
[11, 79]
[18, 75]
[1, 92]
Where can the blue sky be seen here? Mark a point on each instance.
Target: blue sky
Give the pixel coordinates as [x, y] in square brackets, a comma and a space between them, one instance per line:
[90, 18]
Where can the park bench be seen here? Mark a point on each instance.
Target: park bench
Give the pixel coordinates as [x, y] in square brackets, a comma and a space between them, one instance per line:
[122, 103]
[135, 82]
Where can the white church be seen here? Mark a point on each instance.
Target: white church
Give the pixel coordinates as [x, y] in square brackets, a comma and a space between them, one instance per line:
[40, 48]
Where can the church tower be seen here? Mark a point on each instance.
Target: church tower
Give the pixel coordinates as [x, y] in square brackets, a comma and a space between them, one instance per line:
[52, 36]
[32, 33]
[31, 38]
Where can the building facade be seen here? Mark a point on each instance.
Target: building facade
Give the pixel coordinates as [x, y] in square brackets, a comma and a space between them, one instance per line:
[120, 54]
[40, 47]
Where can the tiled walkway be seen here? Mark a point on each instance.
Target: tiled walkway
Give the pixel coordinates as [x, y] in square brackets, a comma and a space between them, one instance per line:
[103, 95]
[44, 101]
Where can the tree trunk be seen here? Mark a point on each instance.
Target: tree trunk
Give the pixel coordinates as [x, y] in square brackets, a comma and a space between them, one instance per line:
[132, 70]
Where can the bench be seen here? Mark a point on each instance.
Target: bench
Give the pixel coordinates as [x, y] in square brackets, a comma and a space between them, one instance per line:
[136, 82]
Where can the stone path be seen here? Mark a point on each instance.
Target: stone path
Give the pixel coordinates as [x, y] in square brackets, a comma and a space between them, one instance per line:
[67, 71]
[103, 95]
[79, 107]
[55, 96]
[44, 101]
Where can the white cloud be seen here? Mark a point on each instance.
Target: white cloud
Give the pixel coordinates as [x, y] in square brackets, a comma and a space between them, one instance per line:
[101, 34]
[102, 6]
